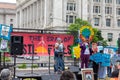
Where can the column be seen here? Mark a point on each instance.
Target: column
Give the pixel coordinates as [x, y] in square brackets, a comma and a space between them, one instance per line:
[78, 3]
[42, 12]
[33, 16]
[103, 19]
[84, 9]
[45, 13]
[115, 33]
[30, 16]
[27, 17]
[17, 19]
[91, 19]
[57, 13]
[34, 20]
[37, 11]
[114, 14]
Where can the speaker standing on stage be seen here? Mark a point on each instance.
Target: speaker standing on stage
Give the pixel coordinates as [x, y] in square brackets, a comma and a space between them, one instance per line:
[86, 51]
[58, 56]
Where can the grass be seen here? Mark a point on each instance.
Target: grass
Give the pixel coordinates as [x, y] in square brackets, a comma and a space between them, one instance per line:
[22, 66]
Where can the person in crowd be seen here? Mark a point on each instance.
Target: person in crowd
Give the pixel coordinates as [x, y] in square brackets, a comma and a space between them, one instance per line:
[116, 73]
[58, 56]
[67, 75]
[102, 69]
[114, 59]
[5, 74]
[86, 51]
[109, 68]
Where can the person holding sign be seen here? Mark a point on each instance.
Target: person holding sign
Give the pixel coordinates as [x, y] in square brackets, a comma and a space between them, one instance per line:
[105, 61]
[86, 51]
[58, 56]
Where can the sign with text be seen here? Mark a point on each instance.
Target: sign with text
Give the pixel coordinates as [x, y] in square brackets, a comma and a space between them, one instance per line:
[5, 31]
[44, 41]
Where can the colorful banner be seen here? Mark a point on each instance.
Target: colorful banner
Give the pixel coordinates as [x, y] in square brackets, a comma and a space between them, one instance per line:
[113, 49]
[4, 46]
[104, 59]
[76, 51]
[44, 41]
[5, 31]
[86, 32]
[97, 57]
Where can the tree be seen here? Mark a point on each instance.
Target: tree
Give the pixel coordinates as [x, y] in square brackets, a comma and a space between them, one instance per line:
[79, 23]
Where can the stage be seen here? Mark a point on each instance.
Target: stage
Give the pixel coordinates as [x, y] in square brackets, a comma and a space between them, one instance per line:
[43, 74]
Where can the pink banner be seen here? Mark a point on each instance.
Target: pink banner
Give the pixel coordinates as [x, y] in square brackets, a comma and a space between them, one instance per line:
[42, 41]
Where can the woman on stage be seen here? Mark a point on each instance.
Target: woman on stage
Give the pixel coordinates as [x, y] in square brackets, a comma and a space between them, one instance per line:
[58, 56]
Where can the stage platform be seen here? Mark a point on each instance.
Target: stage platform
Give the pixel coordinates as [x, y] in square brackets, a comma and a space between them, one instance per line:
[43, 74]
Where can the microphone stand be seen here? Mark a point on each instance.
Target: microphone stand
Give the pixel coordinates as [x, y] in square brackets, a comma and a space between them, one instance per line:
[49, 59]
[32, 59]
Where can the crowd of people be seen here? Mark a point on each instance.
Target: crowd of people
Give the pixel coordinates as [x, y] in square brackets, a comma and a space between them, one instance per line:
[99, 71]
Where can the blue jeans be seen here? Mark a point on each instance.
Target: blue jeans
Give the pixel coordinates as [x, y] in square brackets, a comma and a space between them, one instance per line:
[59, 62]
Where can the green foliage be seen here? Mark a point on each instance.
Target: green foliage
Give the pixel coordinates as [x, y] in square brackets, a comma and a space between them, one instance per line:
[78, 24]
[7, 59]
[75, 27]
[22, 66]
[34, 66]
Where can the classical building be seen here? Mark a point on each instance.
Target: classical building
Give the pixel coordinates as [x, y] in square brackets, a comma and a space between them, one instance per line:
[58, 14]
[8, 14]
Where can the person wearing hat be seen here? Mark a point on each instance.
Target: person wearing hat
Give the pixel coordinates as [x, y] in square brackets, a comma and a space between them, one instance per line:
[58, 56]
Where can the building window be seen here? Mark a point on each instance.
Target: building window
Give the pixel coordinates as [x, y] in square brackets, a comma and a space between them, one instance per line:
[118, 11]
[108, 1]
[70, 18]
[71, 6]
[96, 9]
[110, 37]
[117, 1]
[96, 21]
[118, 22]
[96, 0]
[11, 25]
[108, 22]
[108, 10]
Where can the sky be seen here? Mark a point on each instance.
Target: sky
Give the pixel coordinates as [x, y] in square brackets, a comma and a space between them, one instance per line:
[10, 1]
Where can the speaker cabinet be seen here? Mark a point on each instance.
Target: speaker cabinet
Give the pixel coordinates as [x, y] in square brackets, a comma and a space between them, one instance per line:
[16, 45]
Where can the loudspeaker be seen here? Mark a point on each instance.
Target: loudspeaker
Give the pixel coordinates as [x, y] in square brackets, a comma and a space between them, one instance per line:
[16, 45]
[51, 77]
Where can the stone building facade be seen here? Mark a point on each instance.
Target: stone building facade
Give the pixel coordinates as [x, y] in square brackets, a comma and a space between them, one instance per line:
[8, 14]
[58, 14]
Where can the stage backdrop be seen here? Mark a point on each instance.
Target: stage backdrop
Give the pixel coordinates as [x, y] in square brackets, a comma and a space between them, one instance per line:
[43, 41]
